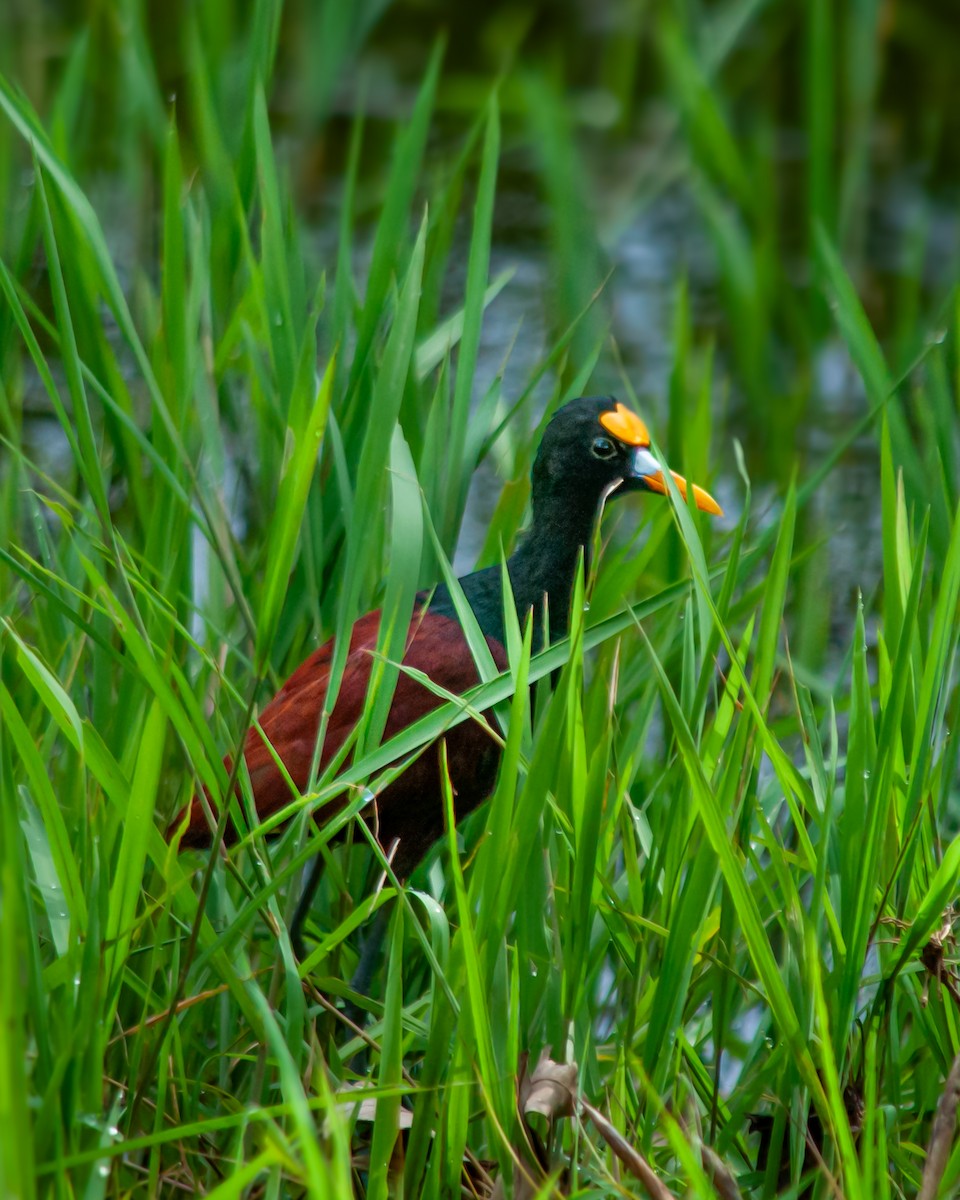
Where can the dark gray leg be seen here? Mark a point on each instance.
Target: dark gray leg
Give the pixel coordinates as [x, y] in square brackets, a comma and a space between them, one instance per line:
[370, 952]
[370, 949]
[303, 907]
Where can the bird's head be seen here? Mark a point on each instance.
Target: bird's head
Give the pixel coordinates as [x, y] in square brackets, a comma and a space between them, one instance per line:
[595, 448]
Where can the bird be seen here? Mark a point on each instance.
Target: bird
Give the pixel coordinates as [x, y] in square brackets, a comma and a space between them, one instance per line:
[592, 450]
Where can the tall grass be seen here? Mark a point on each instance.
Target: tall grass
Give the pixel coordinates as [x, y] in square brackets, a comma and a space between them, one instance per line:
[718, 869]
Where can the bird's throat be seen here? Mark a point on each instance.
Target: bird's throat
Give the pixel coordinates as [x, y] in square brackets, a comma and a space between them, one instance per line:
[544, 565]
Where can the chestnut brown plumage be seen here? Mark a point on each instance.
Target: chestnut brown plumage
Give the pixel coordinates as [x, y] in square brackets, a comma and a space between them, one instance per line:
[408, 810]
[592, 450]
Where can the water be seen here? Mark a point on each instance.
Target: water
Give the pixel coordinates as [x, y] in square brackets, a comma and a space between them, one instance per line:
[640, 184]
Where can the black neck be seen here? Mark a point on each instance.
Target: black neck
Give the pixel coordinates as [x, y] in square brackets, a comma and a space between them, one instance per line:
[545, 562]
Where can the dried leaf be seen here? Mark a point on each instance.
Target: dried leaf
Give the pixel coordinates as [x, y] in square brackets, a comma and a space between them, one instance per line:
[550, 1089]
[366, 1109]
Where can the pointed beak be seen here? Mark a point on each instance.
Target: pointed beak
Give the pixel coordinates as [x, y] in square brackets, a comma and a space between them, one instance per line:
[646, 473]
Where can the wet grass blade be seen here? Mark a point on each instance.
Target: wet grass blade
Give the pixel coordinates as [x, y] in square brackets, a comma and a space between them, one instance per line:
[303, 446]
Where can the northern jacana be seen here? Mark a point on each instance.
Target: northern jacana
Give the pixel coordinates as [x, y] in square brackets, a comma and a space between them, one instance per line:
[593, 449]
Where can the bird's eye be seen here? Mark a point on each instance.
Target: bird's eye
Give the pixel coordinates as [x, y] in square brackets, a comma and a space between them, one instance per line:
[603, 448]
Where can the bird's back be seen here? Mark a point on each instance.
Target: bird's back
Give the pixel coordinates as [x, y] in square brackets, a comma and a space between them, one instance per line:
[409, 808]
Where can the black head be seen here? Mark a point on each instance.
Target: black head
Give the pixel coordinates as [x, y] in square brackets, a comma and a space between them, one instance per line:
[595, 448]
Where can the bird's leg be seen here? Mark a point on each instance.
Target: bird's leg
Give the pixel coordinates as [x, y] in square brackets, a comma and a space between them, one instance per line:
[303, 907]
[370, 953]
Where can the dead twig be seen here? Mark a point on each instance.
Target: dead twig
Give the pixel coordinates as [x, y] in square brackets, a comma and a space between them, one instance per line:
[631, 1158]
[941, 1136]
[719, 1173]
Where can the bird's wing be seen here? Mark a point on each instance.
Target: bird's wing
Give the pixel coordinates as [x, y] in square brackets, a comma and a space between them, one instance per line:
[436, 645]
